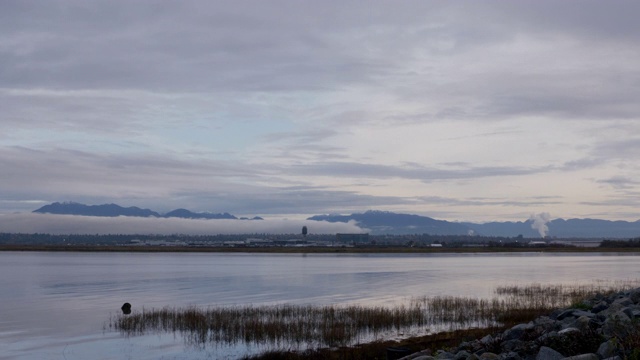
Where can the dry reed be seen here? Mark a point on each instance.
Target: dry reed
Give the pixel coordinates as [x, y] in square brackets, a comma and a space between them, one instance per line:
[307, 326]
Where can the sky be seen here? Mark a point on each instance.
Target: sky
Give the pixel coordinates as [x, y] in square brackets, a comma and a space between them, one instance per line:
[457, 110]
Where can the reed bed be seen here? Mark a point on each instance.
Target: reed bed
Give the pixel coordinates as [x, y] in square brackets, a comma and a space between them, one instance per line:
[309, 326]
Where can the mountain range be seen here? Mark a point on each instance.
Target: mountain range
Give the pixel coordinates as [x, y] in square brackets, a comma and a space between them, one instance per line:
[385, 222]
[113, 210]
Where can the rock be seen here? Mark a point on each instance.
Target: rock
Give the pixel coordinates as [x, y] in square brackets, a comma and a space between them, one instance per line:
[489, 356]
[547, 353]
[462, 355]
[420, 355]
[486, 340]
[620, 316]
[585, 323]
[614, 358]
[517, 331]
[565, 314]
[568, 331]
[126, 308]
[547, 337]
[624, 301]
[632, 311]
[634, 296]
[395, 353]
[616, 323]
[513, 345]
[441, 354]
[545, 324]
[579, 313]
[510, 356]
[609, 323]
[612, 309]
[583, 357]
[555, 313]
[607, 349]
[601, 306]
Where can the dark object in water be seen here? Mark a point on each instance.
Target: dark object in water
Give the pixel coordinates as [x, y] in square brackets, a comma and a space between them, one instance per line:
[126, 308]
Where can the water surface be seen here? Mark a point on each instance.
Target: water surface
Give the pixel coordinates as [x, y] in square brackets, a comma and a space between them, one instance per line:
[58, 305]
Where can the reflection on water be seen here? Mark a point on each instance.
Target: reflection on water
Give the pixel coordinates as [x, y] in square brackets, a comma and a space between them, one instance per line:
[55, 303]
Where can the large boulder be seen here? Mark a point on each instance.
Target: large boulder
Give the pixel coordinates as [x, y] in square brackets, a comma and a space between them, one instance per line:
[634, 295]
[547, 353]
[489, 356]
[583, 357]
[608, 349]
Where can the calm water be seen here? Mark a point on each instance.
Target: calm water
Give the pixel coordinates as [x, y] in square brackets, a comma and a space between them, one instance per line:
[58, 305]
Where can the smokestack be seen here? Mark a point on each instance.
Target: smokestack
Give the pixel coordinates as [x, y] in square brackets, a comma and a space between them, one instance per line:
[539, 222]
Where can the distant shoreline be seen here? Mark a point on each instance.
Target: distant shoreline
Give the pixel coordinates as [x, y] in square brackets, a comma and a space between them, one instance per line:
[311, 250]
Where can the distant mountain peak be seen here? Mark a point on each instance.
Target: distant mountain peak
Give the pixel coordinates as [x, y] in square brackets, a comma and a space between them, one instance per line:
[113, 210]
[105, 210]
[188, 214]
[387, 222]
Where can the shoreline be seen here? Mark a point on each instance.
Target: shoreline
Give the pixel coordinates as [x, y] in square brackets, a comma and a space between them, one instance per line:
[311, 250]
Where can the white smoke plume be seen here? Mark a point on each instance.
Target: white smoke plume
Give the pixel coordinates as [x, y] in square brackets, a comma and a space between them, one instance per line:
[540, 223]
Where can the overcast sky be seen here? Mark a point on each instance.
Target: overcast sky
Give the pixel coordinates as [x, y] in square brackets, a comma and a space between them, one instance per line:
[457, 110]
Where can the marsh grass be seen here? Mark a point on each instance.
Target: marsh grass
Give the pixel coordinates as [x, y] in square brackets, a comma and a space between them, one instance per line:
[287, 326]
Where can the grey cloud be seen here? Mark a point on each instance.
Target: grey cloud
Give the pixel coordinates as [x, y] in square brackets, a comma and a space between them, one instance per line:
[608, 152]
[618, 149]
[199, 46]
[425, 174]
[575, 94]
[583, 163]
[620, 182]
[302, 137]
[164, 183]
[591, 18]
[73, 111]
[163, 46]
[69, 224]
[617, 201]
[116, 69]
[475, 201]
[288, 200]
[303, 145]
[66, 173]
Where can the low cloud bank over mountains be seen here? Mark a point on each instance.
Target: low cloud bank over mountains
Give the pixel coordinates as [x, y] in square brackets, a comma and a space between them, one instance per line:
[538, 225]
[112, 218]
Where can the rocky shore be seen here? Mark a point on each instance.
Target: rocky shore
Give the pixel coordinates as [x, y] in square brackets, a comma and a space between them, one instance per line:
[603, 327]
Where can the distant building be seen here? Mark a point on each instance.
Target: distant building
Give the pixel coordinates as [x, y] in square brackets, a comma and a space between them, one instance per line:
[538, 243]
[258, 242]
[352, 238]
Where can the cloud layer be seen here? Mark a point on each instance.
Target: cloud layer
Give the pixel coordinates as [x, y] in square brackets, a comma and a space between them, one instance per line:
[70, 224]
[456, 110]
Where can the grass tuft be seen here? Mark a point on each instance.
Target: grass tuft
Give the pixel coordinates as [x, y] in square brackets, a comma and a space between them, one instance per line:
[313, 328]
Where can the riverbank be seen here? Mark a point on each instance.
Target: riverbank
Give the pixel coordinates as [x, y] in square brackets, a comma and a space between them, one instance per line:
[315, 250]
[390, 349]
[336, 332]
[600, 327]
